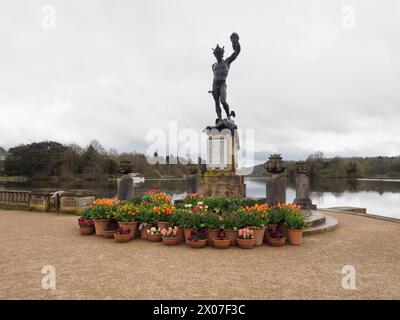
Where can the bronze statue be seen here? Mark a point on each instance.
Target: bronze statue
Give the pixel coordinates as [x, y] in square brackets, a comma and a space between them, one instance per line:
[221, 70]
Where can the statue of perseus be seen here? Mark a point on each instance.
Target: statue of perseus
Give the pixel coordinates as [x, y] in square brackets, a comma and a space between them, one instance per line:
[221, 70]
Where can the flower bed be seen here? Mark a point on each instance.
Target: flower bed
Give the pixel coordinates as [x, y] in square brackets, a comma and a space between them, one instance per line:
[198, 216]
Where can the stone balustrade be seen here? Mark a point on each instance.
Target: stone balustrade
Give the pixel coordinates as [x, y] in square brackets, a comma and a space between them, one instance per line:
[15, 199]
[73, 201]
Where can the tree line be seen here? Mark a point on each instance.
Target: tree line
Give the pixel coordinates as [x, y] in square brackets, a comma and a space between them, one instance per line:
[340, 167]
[42, 160]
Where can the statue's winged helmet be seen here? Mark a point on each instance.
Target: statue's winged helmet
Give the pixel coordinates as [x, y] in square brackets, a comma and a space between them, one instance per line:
[218, 50]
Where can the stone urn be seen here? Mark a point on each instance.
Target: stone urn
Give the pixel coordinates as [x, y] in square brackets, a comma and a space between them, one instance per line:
[125, 167]
[275, 164]
[302, 167]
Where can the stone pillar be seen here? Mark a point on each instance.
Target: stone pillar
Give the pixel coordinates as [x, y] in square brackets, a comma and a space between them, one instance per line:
[40, 199]
[276, 181]
[125, 188]
[303, 186]
[125, 183]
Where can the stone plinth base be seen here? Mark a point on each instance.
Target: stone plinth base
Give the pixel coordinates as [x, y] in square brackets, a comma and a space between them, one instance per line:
[76, 201]
[305, 204]
[221, 184]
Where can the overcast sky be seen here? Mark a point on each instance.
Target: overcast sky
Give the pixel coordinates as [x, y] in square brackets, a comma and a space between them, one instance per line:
[111, 70]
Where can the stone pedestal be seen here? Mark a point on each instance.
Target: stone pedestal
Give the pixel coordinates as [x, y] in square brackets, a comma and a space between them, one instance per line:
[125, 188]
[76, 201]
[219, 184]
[220, 178]
[303, 186]
[276, 189]
[276, 181]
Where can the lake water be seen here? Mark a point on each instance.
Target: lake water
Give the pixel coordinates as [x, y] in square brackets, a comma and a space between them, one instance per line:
[379, 196]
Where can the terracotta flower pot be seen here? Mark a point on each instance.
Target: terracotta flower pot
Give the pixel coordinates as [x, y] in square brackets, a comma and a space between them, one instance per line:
[99, 226]
[170, 241]
[186, 232]
[85, 231]
[221, 244]
[109, 234]
[258, 235]
[122, 237]
[143, 231]
[162, 225]
[154, 237]
[245, 243]
[276, 242]
[132, 226]
[197, 243]
[295, 236]
[269, 227]
[212, 234]
[232, 235]
[180, 234]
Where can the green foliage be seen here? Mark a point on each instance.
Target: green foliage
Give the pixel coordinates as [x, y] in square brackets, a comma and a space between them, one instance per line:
[192, 220]
[254, 219]
[212, 221]
[276, 216]
[100, 212]
[233, 220]
[294, 221]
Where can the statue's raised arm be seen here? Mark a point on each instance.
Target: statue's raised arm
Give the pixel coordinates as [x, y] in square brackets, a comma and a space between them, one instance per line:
[236, 48]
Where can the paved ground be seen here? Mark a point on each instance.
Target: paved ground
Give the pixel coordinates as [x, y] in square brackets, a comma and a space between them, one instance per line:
[97, 268]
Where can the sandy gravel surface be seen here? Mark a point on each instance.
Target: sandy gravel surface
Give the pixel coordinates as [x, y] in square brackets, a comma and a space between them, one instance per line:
[88, 267]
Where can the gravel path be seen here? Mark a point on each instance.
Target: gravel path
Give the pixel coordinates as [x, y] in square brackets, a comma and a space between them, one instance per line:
[88, 267]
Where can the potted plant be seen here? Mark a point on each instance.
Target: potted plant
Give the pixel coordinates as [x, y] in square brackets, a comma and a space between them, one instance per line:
[86, 225]
[111, 228]
[169, 236]
[176, 220]
[154, 234]
[256, 218]
[147, 220]
[163, 214]
[212, 221]
[276, 237]
[232, 222]
[122, 234]
[198, 238]
[127, 215]
[276, 218]
[193, 218]
[245, 238]
[295, 224]
[221, 241]
[102, 211]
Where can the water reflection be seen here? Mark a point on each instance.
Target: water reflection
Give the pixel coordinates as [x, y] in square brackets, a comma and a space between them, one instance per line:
[378, 196]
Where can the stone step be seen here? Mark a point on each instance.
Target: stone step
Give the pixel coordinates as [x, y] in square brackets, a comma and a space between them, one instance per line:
[314, 218]
[329, 224]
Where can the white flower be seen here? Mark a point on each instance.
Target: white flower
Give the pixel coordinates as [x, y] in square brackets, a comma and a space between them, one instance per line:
[200, 203]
